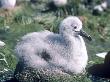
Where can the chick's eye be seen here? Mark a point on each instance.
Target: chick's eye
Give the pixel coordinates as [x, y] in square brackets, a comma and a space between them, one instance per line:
[75, 27]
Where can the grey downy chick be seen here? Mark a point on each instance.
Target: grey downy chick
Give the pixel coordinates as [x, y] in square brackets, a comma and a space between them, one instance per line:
[46, 49]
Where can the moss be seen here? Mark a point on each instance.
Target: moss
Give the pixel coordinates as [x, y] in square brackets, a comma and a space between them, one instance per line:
[47, 75]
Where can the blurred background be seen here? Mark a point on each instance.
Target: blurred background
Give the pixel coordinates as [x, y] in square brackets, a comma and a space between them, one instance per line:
[19, 17]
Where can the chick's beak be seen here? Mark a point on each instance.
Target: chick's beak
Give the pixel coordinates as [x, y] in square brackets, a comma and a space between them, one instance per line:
[84, 34]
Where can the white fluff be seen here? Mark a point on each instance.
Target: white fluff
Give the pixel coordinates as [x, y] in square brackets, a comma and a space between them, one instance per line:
[8, 4]
[59, 3]
[101, 7]
[98, 8]
[2, 44]
[104, 5]
[65, 50]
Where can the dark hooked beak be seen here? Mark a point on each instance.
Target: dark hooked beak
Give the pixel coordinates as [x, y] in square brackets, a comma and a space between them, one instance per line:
[84, 34]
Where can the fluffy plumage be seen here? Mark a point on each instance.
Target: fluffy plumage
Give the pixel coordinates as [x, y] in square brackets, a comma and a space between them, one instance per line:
[8, 4]
[2, 44]
[46, 49]
[59, 3]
